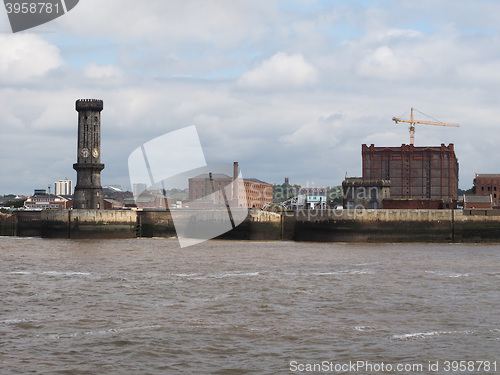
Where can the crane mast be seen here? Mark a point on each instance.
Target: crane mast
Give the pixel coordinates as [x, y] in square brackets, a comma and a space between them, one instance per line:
[412, 123]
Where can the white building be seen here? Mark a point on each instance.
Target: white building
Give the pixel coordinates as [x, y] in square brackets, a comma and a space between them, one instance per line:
[64, 187]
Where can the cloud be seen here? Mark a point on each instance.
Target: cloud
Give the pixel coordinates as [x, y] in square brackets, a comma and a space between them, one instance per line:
[385, 64]
[217, 22]
[324, 131]
[281, 71]
[260, 79]
[25, 57]
[95, 71]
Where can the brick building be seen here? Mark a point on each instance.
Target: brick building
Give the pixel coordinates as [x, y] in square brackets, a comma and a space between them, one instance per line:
[250, 192]
[488, 184]
[415, 173]
[257, 192]
[478, 202]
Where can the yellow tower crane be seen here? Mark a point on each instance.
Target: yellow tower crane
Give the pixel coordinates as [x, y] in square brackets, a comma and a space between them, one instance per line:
[412, 123]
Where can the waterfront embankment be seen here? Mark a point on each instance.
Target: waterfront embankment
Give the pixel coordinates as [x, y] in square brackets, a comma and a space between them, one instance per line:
[303, 225]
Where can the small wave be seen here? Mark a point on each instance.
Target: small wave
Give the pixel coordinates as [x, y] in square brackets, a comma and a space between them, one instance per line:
[57, 273]
[365, 328]
[345, 272]
[16, 321]
[186, 274]
[102, 332]
[219, 276]
[409, 336]
[236, 274]
[50, 273]
[448, 274]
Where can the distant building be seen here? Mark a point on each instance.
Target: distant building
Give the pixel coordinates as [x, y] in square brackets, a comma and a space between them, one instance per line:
[64, 187]
[210, 188]
[415, 173]
[257, 192]
[316, 201]
[43, 201]
[111, 204]
[488, 184]
[201, 186]
[365, 193]
[478, 201]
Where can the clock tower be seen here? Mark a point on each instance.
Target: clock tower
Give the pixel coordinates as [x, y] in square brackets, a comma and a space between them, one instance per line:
[88, 189]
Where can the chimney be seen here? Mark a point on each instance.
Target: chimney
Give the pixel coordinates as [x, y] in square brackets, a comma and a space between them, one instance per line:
[235, 170]
[235, 184]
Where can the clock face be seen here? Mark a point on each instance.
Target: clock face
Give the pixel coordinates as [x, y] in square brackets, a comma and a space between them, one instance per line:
[95, 152]
[85, 152]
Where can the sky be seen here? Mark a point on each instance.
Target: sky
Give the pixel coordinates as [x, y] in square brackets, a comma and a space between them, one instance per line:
[288, 88]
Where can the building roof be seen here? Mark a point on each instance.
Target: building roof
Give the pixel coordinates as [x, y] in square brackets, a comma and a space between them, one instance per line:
[360, 182]
[477, 198]
[214, 175]
[113, 202]
[255, 180]
[405, 147]
[487, 175]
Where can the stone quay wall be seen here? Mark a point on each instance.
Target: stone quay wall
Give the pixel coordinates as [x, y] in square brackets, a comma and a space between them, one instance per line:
[303, 225]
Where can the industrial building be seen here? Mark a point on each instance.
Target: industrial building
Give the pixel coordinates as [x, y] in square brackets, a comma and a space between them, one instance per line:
[250, 192]
[416, 173]
[488, 184]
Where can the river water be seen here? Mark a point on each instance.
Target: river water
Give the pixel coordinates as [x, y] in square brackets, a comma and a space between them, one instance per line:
[145, 306]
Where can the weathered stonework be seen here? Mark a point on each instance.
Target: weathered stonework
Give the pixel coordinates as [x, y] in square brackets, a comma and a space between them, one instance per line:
[88, 189]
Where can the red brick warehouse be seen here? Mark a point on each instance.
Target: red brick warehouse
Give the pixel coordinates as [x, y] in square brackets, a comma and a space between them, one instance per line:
[420, 173]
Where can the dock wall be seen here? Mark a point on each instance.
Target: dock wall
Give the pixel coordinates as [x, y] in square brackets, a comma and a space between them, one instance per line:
[303, 225]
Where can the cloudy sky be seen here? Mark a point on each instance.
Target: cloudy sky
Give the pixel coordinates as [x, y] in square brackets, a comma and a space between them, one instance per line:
[288, 88]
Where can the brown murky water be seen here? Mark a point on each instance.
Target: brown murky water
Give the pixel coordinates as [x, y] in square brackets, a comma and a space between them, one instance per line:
[145, 306]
